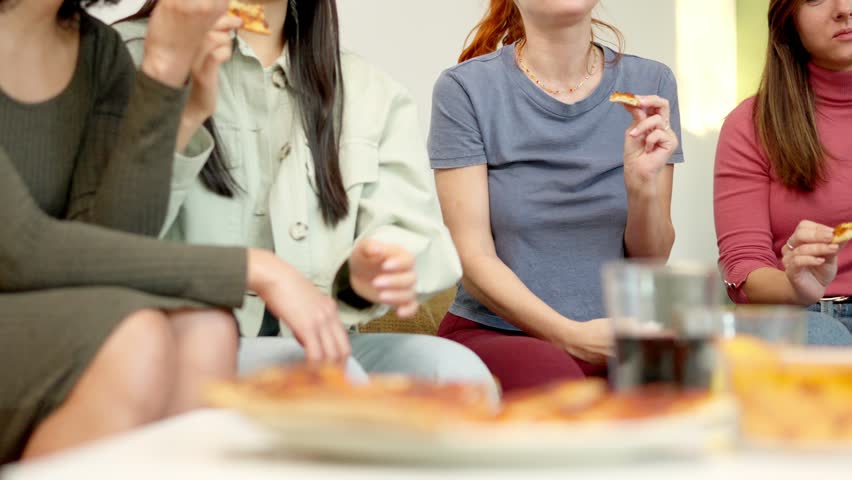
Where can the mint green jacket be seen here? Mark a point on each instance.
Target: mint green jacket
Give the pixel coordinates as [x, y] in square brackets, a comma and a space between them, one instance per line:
[383, 161]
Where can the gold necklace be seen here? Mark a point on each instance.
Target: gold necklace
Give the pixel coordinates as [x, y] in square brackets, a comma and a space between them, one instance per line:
[570, 91]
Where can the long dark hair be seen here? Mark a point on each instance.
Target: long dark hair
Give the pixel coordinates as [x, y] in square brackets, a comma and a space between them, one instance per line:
[312, 36]
[785, 98]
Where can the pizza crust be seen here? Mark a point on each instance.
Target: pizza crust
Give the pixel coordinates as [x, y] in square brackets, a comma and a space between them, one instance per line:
[253, 16]
[625, 98]
[842, 233]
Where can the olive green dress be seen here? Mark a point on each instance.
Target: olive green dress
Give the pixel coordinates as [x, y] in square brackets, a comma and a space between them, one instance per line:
[82, 177]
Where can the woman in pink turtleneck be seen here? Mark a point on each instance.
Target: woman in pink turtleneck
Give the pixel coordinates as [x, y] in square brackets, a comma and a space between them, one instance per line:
[784, 171]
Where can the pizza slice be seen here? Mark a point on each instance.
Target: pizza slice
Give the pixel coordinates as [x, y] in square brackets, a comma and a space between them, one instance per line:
[553, 402]
[253, 16]
[842, 233]
[625, 98]
[324, 394]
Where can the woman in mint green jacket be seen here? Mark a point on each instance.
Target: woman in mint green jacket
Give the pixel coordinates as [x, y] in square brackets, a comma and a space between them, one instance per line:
[314, 154]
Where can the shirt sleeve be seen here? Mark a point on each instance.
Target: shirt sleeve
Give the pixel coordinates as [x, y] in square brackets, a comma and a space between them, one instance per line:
[455, 139]
[668, 90]
[402, 208]
[186, 165]
[123, 171]
[39, 252]
[741, 203]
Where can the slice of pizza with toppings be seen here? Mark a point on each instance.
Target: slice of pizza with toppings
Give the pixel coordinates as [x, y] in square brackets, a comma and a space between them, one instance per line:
[842, 233]
[325, 394]
[253, 16]
[552, 402]
[625, 98]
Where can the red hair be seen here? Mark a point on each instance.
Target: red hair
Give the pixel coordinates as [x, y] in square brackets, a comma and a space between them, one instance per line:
[503, 25]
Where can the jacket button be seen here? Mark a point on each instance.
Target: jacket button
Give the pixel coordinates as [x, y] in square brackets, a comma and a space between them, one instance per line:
[279, 80]
[285, 151]
[299, 231]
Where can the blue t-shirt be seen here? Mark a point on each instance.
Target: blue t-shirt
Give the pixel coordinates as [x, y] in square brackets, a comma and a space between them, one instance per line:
[555, 172]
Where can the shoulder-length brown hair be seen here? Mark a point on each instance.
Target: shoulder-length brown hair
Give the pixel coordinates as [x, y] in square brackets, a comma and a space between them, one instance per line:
[785, 112]
[503, 25]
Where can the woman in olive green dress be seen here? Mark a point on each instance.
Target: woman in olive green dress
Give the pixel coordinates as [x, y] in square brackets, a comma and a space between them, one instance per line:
[102, 329]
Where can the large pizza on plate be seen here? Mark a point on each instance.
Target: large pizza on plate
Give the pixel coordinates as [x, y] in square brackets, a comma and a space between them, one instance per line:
[325, 393]
[318, 412]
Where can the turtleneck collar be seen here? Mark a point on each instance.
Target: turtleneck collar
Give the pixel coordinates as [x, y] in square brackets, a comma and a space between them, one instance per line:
[831, 87]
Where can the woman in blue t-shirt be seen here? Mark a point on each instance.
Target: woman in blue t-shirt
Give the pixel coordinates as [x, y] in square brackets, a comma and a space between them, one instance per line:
[542, 180]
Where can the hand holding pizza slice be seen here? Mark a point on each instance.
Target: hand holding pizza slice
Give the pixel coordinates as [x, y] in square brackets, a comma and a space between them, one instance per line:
[810, 258]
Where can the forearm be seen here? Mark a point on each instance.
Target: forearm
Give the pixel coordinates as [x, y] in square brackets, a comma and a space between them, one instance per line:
[494, 285]
[134, 191]
[38, 252]
[771, 286]
[649, 232]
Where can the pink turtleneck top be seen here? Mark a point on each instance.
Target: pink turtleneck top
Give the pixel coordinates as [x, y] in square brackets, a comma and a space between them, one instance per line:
[755, 214]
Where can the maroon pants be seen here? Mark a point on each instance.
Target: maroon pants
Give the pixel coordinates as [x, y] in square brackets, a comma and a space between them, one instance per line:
[516, 359]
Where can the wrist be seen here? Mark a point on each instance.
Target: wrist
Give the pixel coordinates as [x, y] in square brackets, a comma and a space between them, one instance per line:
[344, 289]
[261, 270]
[569, 334]
[354, 292]
[165, 68]
[190, 123]
[641, 187]
[193, 118]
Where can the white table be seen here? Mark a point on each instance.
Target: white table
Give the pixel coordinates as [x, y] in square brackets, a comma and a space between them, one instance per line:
[213, 444]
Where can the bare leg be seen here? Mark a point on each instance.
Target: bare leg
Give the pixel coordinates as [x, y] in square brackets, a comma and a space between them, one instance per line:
[129, 383]
[207, 343]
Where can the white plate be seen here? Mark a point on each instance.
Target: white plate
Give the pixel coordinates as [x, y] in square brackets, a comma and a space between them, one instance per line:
[713, 427]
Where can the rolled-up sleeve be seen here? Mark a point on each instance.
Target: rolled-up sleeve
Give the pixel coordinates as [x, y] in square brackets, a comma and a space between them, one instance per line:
[455, 139]
[741, 202]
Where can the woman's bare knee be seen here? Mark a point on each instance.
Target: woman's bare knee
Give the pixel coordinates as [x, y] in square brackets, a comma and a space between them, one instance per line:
[207, 341]
[135, 368]
[129, 383]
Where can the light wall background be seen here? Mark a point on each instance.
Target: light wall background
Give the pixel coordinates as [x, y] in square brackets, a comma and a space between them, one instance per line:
[414, 40]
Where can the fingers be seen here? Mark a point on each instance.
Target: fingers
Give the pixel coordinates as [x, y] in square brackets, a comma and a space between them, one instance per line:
[329, 330]
[407, 311]
[215, 59]
[228, 23]
[396, 281]
[215, 50]
[341, 338]
[801, 261]
[328, 342]
[400, 261]
[660, 138]
[397, 297]
[816, 250]
[654, 104]
[810, 232]
[309, 339]
[323, 337]
[650, 124]
[638, 114]
[374, 248]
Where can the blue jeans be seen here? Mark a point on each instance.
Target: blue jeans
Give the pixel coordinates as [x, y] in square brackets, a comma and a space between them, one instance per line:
[830, 324]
